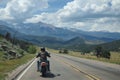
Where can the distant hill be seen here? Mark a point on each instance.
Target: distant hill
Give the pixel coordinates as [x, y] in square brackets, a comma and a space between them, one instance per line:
[4, 29]
[43, 29]
[79, 44]
[76, 40]
[50, 36]
[112, 46]
[38, 40]
[101, 34]
[47, 41]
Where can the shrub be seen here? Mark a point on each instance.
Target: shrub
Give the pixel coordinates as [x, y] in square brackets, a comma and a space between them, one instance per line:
[100, 52]
[60, 51]
[21, 52]
[106, 54]
[65, 51]
[32, 49]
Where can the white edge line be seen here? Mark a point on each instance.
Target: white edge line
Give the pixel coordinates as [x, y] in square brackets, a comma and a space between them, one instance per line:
[25, 70]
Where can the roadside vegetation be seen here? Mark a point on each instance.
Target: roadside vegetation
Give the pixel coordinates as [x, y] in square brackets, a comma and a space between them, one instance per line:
[114, 56]
[9, 65]
[14, 53]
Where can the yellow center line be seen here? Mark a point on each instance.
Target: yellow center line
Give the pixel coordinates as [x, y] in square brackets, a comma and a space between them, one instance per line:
[91, 77]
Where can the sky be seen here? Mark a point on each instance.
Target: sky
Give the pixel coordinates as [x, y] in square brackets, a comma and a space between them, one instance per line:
[88, 15]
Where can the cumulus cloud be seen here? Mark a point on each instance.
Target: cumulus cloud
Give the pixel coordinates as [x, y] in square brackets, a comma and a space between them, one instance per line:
[111, 27]
[79, 24]
[5, 15]
[34, 19]
[87, 15]
[79, 11]
[21, 9]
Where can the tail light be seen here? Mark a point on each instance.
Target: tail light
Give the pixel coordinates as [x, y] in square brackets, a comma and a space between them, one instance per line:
[43, 64]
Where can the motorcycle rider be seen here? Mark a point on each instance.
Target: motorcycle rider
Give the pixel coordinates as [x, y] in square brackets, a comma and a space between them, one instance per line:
[43, 57]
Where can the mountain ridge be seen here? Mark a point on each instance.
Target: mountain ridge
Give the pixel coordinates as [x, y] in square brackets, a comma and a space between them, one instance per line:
[76, 43]
[43, 29]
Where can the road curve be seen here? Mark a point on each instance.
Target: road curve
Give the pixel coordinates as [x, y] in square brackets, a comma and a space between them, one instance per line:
[64, 67]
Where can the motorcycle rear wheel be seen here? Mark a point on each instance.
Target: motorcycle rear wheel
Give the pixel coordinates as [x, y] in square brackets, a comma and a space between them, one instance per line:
[43, 71]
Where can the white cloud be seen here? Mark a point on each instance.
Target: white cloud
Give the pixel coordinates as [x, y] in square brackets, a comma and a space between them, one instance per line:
[73, 11]
[20, 9]
[112, 27]
[80, 14]
[34, 19]
[5, 15]
[104, 14]
[79, 24]
[85, 15]
[43, 17]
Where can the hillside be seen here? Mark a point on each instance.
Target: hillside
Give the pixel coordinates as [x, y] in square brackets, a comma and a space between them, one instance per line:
[4, 29]
[13, 55]
[76, 43]
[43, 29]
[49, 36]
[48, 41]
[8, 51]
[12, 50]
[112, 46]
[14, 33]
[103, 34]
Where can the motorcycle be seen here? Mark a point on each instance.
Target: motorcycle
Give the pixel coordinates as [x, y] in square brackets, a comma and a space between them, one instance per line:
[43, 70]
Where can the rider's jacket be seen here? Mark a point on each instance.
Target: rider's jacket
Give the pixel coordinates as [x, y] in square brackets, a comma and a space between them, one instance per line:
[43, 56]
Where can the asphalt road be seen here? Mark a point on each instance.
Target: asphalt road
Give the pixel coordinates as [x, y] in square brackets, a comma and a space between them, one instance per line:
[64, 67]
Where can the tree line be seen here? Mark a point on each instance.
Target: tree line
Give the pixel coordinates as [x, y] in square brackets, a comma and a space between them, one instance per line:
[26, 46]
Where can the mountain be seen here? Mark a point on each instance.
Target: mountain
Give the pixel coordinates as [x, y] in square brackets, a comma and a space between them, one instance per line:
[80, 43]
[38, 40]
[76, 40]
[77, 44]
[14, 33]
[46, 41]
[4, 29]
[101, 34]
[43, 29]
[112, 46]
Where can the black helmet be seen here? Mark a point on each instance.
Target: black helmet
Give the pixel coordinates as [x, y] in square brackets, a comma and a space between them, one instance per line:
[43, 49]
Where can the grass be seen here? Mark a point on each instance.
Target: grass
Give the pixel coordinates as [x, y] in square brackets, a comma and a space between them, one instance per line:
[1, 54]
[52, 50]
[115, 56]
[9, 65]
